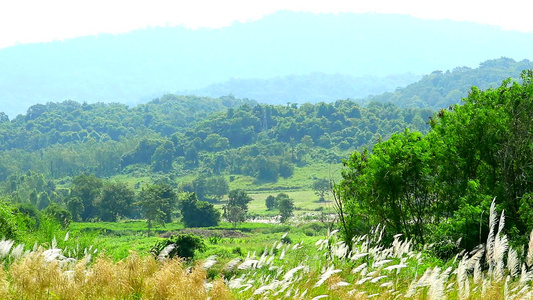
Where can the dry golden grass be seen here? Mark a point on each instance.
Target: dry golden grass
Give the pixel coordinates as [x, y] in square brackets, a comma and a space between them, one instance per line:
[133, 278]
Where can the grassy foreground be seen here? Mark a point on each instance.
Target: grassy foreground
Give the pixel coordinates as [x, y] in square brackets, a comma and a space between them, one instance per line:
[282, 270]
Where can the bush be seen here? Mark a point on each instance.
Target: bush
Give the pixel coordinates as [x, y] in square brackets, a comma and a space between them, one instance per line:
[197, 213]
[8, 222]
[184, 246]
[58, 213]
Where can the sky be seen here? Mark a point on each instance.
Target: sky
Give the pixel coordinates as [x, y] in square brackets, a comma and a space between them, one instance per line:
[25, 21]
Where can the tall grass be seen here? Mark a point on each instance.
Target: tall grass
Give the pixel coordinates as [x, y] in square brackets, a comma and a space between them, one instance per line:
[280, 271]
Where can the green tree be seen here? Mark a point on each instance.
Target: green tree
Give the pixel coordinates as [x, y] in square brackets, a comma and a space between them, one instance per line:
[116, 201]
[321, 186]
[8, 221]
[44, 201]
[286, 206]
[236, 208]
[87, 189]
[59, 214]
[162, 157]
[195, 213]
[157, 202]
[216, 187]
[271, 202]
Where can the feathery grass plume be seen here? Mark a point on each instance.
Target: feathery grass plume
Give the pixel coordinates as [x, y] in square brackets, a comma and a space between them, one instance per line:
[103, 280]
[4, 285]
[478, 274]
[209, 262]
[506, 288]
[359, 268]
[5, 247]
[512, 262]
[325, 275]
[17, 251]
[376, 279]
[436, 283]
[171, 281]
[525, 276]
[248, 263]
[220, 291]
[232, 263]
[491, 237]
[529, 258]
[32, 277]
[500, 247]
[290, 274]
[163, 255]
[396, 267]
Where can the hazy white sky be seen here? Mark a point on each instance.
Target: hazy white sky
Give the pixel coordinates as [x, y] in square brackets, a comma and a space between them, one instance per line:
[25, 21]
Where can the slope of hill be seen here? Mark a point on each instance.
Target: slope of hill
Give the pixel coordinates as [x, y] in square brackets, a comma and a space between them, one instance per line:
[147, 63]
[442, 89]
[312, 88]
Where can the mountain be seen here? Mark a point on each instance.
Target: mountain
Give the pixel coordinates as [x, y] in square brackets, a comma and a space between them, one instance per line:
[312, 88]
[144, 64]
[442, 89]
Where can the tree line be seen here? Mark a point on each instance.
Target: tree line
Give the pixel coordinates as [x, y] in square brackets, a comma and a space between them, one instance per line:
[437, 187]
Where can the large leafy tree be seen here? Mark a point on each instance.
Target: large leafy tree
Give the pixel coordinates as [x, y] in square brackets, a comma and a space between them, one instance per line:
[157, 202]
[286, 206]
[116, 201]
[195, 213]
[321, 186]
[84, 192]
[236, 208]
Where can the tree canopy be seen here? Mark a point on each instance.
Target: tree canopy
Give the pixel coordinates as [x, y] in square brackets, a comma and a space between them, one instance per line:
[442, 182]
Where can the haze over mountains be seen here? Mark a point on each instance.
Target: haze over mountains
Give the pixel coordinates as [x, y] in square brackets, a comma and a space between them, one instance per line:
[270, 55]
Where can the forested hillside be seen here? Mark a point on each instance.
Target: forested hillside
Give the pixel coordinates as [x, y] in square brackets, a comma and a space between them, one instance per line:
[181, 134]
[442, 89]
[313, 88]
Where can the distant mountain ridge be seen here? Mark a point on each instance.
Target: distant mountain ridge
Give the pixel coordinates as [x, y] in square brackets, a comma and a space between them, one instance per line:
[442, 89]
[311, 88]
[145, 64]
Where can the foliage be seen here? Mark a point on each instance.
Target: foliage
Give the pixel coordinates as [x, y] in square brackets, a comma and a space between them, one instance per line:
[8, 222]
[157, 202]
[85, 191]
[321, 186]
[115, 201]
[182, 245]
[285, 205]
[58, 213]
[237, 206]
[443, 182]
[271, 202]
[443, 89]
[195, 213]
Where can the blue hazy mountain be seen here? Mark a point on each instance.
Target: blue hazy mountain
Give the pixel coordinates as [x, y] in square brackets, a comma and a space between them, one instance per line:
[143, 64]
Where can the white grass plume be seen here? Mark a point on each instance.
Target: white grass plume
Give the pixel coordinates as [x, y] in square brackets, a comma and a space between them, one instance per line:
[209, 262]
[491, 237]
[330, 271]
[163, 255]
[5, 247]
[359, 268]
[232, 263]
[529, 258]
[512, 262]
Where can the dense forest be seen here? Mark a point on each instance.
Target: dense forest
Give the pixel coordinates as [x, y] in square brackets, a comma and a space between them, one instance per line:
[442, 89]
[435, 187]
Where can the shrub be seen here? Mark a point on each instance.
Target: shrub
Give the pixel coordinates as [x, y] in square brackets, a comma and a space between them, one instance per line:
[183, 245]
